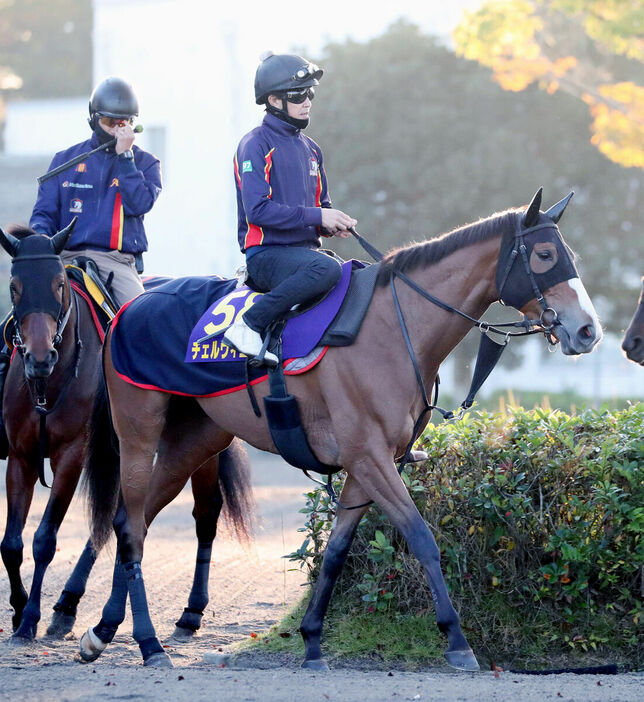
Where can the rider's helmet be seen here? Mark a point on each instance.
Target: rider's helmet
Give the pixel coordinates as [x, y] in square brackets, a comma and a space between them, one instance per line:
[282, 72]
[113, 97]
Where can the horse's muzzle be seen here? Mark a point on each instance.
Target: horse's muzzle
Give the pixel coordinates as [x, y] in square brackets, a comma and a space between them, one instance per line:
[581, 340]
[633, 347]
[40, 369]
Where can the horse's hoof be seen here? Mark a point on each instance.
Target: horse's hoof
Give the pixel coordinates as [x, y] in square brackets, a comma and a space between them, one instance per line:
[318, 664]
[61, 624]
[19, 640]
[182, 635]
[462, 660]
[159, 660]
[90, 646]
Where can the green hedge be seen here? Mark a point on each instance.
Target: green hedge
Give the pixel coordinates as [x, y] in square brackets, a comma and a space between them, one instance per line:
[539, 517]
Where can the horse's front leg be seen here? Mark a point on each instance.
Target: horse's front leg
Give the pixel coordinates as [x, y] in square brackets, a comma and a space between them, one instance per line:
[334, 559]
[378, 476]
[20, 481]
[208, 504]
[66, 473]
[64, 617]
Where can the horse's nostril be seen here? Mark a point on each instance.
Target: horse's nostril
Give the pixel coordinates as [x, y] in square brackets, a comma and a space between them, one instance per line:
[587, 332]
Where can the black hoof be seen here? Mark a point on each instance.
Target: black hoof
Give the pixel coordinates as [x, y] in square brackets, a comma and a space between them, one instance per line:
[159, 660]
[181, 634]
[462, 660]
[61, 624]
[319, 664]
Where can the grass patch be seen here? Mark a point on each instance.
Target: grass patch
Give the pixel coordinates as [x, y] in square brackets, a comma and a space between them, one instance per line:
[406, 639]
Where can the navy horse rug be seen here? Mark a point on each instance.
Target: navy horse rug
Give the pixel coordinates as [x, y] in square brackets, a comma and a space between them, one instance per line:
[169, 338]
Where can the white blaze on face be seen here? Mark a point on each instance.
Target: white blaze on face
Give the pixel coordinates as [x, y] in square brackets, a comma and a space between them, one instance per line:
[585, 304]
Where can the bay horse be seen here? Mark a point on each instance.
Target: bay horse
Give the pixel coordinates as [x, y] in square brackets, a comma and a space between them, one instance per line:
[360, 404]
[54, 374]
[633, 343]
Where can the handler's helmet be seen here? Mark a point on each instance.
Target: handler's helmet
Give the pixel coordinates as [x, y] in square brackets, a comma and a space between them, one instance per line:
[280, 72]
[113, 97]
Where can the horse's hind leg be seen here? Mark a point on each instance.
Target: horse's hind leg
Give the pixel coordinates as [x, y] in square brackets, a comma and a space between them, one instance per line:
[66, 476]
[208, 504]
[335, 556]
[20, 488]
[95, 640]
[64, 617]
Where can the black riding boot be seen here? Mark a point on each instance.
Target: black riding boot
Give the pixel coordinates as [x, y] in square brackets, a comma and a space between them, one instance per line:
[5, 357]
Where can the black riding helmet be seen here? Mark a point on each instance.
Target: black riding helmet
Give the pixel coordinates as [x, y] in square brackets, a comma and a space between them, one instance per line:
[113, 97]
[279, 73]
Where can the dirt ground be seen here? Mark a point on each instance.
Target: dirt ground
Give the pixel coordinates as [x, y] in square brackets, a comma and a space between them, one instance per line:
[250, 588]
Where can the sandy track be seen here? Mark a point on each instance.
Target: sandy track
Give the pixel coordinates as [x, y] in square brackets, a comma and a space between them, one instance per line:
[250, 588]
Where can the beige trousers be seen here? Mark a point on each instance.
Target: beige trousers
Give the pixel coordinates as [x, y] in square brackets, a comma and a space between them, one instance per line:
[126, 282]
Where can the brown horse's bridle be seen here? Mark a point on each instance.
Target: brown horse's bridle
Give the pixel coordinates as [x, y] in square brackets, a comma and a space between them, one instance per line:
[39, 398]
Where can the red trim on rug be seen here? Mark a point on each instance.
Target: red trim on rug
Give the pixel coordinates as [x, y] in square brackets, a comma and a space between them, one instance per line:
[90, 304]
[228, 391]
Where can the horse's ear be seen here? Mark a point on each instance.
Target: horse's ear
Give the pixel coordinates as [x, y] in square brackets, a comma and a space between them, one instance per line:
[557, 210]
[532, 213]
[60, 239]
[9, 243]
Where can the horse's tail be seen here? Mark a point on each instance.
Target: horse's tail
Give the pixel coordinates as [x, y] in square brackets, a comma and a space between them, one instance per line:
[101, 481]
[235, 484]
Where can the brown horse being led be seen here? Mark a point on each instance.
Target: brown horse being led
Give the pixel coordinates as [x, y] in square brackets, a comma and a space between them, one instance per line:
[360, 403]
[56, 370]
[633, 344]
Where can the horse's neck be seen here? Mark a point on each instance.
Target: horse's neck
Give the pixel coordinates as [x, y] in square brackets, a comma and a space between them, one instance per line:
[465, 280]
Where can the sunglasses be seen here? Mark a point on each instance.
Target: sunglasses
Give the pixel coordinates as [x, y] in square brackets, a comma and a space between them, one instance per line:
[116, 121]
[299, 96]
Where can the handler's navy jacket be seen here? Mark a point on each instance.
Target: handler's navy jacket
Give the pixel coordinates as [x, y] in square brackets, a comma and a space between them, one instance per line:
[109, 195]
[281, 185]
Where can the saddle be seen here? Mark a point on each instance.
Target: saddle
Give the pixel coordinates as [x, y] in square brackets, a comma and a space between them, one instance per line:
[85, 279]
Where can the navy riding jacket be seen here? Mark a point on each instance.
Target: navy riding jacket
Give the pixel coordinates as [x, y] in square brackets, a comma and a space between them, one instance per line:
[281, 186]
[109, 195]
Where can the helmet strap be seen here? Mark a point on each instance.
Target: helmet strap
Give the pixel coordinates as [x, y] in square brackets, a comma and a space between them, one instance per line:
[285, 117]
[101, 134]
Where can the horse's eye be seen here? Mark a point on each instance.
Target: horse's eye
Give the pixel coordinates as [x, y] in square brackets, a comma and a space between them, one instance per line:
[544, 255]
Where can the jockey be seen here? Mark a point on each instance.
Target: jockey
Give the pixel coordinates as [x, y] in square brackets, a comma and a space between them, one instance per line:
[109, 193]
[283, 204]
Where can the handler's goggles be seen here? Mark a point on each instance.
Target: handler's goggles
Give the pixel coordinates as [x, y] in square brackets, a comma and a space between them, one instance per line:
[299, 96]
[115, 121]
[310, 70]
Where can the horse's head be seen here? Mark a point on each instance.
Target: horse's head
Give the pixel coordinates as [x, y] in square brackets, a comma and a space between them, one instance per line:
[40, 295]
[536, 274]
[633, 343]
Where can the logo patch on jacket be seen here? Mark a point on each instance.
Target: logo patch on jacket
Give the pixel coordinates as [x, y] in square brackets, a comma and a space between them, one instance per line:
[115, 182]
[76, 205]
[313, 167]
[81, 168]
[247, 167]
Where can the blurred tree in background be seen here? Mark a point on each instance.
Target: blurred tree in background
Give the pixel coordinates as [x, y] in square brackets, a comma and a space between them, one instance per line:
[45, 50]
[418, 140]
[46, 47]
[592, 49]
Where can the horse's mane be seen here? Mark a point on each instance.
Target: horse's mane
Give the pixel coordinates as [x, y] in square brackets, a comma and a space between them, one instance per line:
[20, 231]
[417, 255]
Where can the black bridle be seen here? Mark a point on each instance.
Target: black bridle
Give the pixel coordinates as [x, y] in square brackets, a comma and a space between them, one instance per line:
[38, 392]
[489, 351]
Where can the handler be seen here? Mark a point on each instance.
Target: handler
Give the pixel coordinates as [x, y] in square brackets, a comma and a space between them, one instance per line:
[283, 203]
[109, 193]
